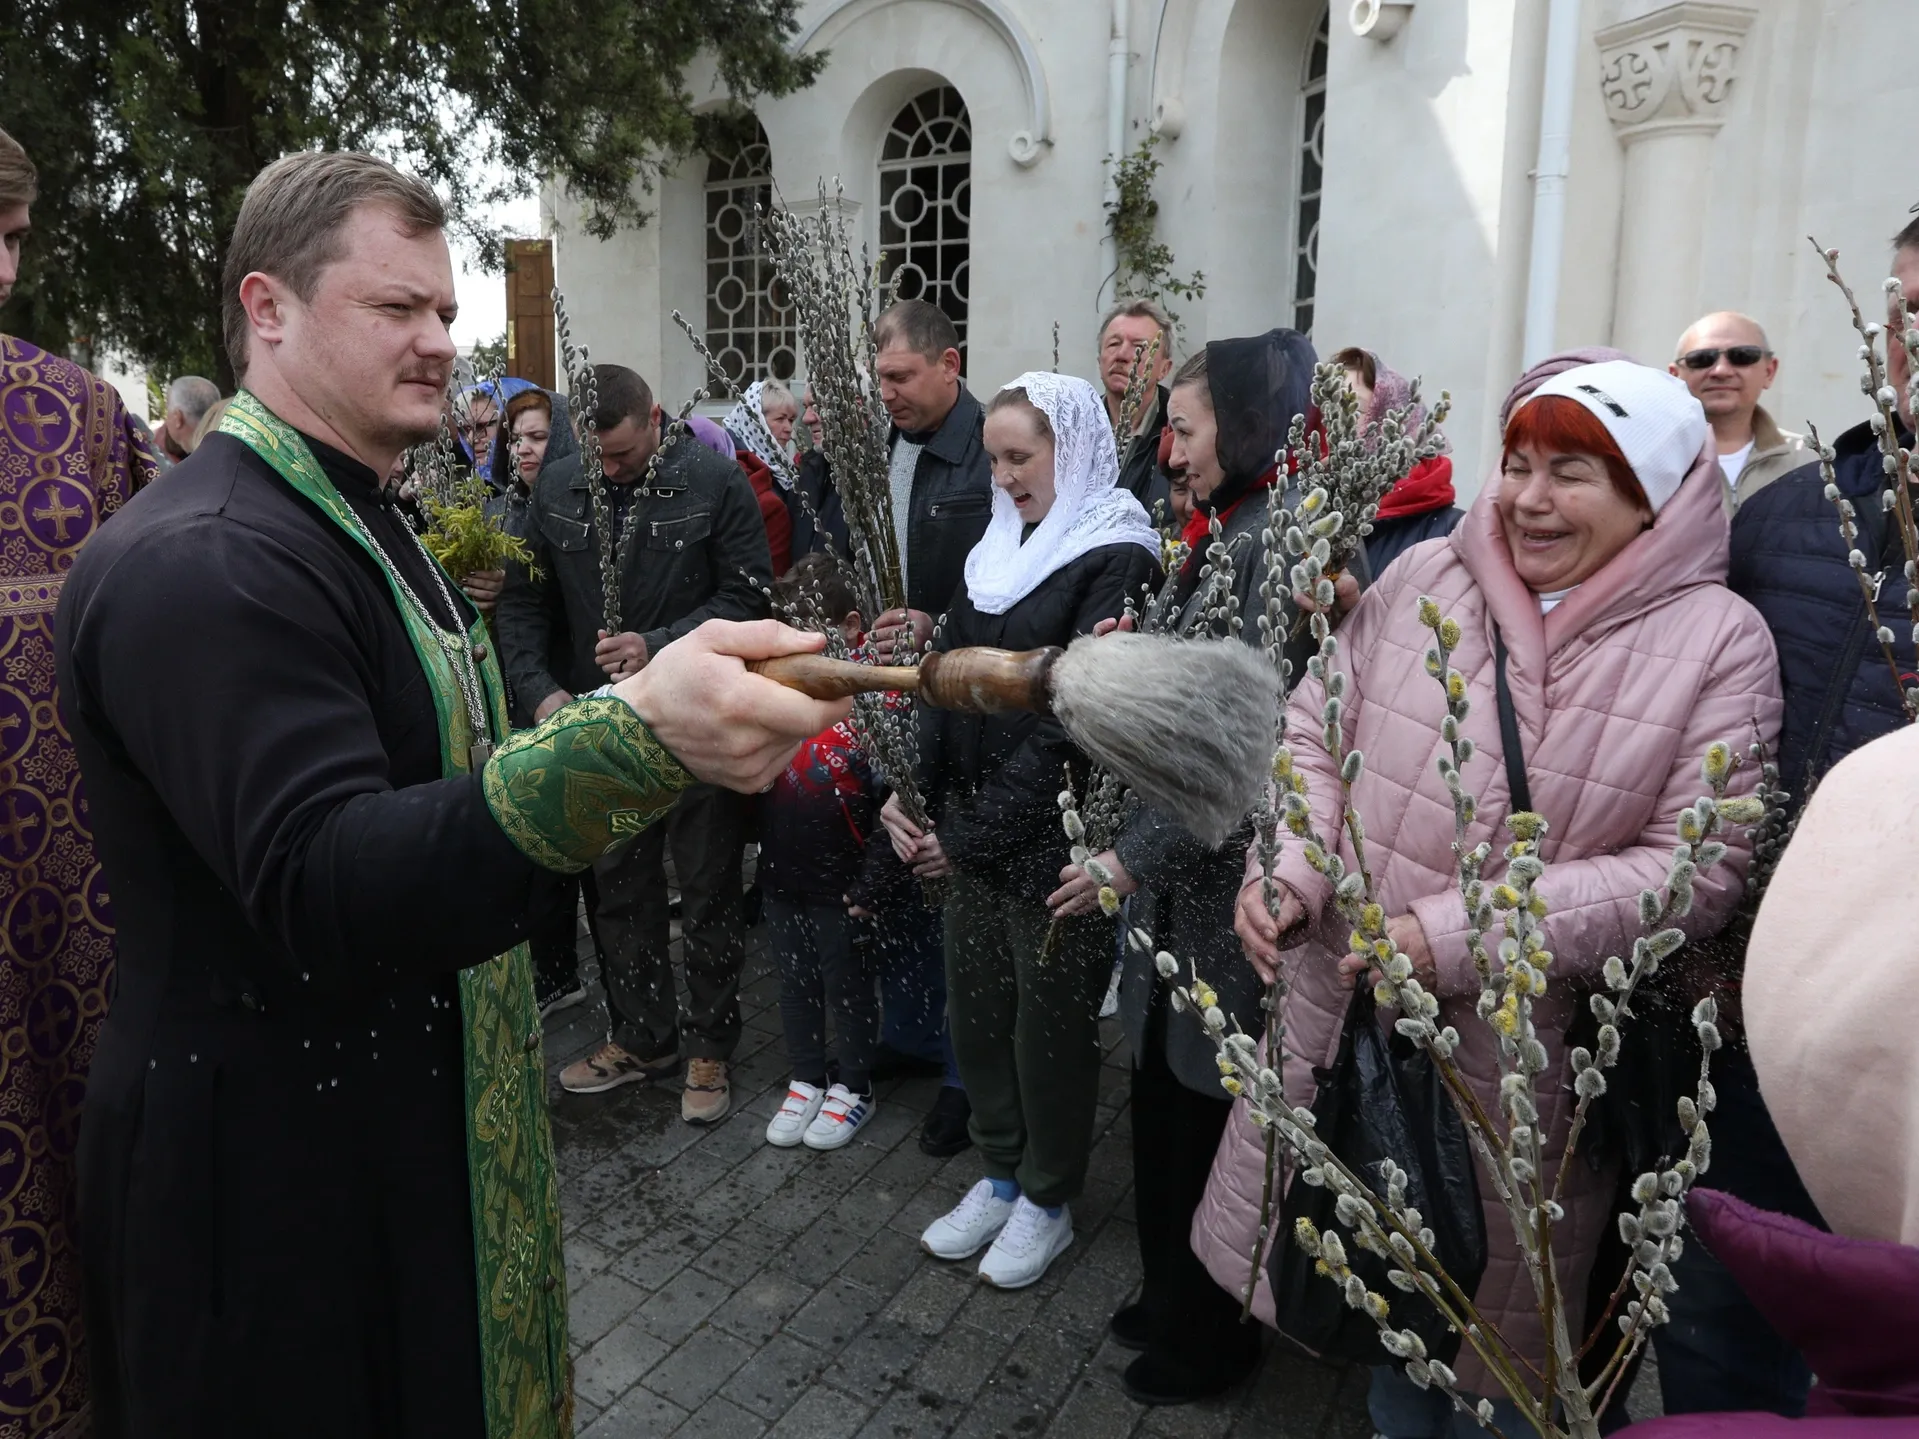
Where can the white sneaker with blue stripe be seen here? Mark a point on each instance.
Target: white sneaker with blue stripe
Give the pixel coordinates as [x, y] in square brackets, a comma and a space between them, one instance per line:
[842, 1116]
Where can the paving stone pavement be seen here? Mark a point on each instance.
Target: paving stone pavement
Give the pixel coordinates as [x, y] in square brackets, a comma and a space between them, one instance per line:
[725, 1289]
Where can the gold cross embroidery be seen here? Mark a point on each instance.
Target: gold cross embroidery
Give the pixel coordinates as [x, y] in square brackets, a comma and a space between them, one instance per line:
[11, 1266]
[48, 1027]
[59, 513]
[31, 416]
[33, 1365]
[37, 921]
[15, 825]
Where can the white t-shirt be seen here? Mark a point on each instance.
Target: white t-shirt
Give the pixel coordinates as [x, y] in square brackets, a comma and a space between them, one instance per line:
[1731, 464]
[1549, 599]
[904, 463]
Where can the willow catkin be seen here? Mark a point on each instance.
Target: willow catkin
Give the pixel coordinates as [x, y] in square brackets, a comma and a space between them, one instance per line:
[1187, 724]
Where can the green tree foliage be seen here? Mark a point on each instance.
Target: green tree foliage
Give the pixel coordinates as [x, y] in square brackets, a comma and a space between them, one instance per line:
[488, 356]
[147, 118]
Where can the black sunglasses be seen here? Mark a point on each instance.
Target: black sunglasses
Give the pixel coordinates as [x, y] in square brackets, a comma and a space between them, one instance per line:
[1740, 355]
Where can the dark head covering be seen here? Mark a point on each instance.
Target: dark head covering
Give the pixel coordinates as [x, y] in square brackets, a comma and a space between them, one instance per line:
[501, 390]
[560, 443]
[564, 441]
[1259, 385]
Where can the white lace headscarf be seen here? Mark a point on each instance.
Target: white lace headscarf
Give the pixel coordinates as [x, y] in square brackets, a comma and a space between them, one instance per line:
[1088, 511]
[746, 423]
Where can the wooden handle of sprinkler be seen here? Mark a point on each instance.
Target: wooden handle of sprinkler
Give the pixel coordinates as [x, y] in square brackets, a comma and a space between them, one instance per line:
[825, 679]
[979, 680]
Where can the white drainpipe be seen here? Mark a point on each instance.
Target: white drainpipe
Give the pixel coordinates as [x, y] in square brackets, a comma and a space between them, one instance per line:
[1549, 178]
[1118, 60]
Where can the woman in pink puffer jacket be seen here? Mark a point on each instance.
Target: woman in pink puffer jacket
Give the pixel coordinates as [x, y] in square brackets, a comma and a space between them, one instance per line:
[1599, 554]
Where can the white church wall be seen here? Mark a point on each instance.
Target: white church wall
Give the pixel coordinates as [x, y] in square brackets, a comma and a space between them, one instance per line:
[1595, 190]
[1182, 63]
[1857, 182]
[1420, 194]
[1036, 230]
[611, 286]
[1427, 206]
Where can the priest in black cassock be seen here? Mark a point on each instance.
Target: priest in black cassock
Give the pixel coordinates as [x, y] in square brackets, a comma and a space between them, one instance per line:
[317, 1187]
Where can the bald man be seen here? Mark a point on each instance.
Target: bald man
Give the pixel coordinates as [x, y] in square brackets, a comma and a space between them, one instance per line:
[1725, 361]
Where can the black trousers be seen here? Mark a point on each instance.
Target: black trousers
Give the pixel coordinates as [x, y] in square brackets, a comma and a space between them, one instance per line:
[553, 936]
[1194, 1322]
[825, 961]
[708, 829]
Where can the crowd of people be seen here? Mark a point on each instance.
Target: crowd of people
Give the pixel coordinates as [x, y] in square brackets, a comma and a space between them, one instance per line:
[1654, 566]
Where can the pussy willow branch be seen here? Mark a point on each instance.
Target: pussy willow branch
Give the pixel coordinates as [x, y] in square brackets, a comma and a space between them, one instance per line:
[1138, 381]
[1857, 560]
[761, 440]
[834, 304]
[584, 388]
[1522, 978]
[1899, 467]
[676, 430]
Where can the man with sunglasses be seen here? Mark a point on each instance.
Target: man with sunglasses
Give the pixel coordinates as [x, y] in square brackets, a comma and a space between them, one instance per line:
[1726, 363]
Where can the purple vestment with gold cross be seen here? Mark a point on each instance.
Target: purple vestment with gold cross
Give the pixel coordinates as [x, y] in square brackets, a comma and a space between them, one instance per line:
[70, 455]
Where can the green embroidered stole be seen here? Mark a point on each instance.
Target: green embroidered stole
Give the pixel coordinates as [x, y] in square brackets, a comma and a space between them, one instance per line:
[516, 1208]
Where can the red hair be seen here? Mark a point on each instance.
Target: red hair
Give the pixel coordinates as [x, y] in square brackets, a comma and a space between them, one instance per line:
[1556, 424]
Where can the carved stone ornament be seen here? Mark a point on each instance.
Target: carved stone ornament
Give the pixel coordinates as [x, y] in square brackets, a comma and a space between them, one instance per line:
[1672, 70]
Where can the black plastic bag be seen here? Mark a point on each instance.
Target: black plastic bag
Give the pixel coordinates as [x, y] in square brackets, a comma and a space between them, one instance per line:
[1381, 1099]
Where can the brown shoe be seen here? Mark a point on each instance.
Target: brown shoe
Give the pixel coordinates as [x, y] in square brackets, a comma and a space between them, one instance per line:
[707, 1096]
[610, 1066]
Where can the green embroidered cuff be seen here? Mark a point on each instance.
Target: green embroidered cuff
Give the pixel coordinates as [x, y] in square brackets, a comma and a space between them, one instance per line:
[587, 780]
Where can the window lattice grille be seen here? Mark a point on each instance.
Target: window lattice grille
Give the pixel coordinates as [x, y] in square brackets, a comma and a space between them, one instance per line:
[749, 324]
[926, 202]
[1312, 160]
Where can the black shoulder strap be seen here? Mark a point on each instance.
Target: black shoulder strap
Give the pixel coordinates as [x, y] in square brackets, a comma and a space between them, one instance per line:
[1522, 793]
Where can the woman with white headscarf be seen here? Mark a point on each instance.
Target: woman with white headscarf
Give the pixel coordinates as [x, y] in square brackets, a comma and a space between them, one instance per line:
[760, 425]
[1063, 551]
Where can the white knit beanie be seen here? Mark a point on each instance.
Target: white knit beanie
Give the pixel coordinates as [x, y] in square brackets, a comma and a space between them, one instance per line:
[1651, 415]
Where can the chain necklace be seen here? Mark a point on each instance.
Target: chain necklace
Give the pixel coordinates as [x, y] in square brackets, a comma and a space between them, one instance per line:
[461, 655]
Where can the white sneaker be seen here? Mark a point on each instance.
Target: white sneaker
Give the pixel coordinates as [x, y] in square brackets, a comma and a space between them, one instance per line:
[799, 1109]
[1031, 1241]
[972, 1224]
[841, 1116]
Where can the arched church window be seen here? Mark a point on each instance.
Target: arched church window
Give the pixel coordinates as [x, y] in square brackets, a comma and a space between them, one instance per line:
[926, 202]
[1312, 161]
[749, 325]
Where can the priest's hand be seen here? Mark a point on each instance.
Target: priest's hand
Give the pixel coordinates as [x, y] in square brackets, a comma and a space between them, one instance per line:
[907, 631]
[483, 588]
[726, 725]
[557, 700]
[620, 655]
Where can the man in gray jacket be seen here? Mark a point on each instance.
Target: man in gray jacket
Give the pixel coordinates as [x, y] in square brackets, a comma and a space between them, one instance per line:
[690, 546]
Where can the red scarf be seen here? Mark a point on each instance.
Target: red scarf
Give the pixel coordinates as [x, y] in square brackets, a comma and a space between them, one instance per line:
[773, 512]
[1428, 487]
[1199, 523]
